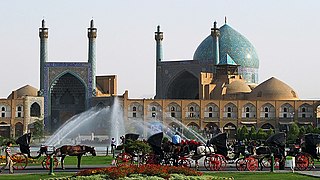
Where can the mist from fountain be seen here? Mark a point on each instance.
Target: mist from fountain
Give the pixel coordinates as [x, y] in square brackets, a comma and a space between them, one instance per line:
[117, 120]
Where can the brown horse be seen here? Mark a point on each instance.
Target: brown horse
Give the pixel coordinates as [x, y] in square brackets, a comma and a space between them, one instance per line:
[77, 150]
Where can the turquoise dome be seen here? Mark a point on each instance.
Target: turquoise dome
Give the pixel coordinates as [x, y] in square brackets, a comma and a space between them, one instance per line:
[232, 43]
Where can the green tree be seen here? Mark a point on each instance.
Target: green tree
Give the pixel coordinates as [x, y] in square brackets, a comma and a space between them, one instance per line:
[261, 135]
[38, 131]
[309, 129]
[302, 131]
[270, 132]
[293, 133]
[252, 135]
[242, 133]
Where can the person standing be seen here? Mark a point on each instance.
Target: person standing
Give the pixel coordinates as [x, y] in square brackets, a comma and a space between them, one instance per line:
[8, 159]
[176, 142]
[113, 144]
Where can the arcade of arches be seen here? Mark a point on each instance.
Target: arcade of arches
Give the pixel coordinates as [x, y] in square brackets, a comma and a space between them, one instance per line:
[214, 116]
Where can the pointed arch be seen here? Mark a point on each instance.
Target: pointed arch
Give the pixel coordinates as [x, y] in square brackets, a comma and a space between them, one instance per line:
[286, 111]
[68, 97]
[35, 110]
[305, 111]
[194, 126]
[231, 129]
[249, 111]
[267, 111]
[184, 85]
[230, 110]
[267, 126]
[193, 110]
[173, 110]
[211, 110]
[154, 111]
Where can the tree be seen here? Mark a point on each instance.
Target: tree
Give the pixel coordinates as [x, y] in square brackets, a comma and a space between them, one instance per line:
[270, 132]
[242, 133]
[302, 131]
[309, 129]
[261, 134]
[252, 135]
[38, 131]
[293, 133]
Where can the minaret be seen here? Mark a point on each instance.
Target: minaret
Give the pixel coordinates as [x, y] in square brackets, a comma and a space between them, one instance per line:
[92, 35]
[215, 33]
[159, 38]
[43, 34]
[159, 57]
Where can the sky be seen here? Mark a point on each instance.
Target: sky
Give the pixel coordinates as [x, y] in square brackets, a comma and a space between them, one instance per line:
[285, 34]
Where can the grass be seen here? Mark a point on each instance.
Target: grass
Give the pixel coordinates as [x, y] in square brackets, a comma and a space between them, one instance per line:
[72, 160]
[261, 175]
[34, 176]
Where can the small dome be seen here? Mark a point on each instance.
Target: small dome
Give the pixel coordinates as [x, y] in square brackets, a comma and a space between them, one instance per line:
[238, 87]
[26, 90]
[273, 89]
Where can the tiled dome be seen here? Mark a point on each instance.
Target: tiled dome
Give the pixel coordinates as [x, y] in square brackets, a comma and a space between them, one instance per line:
[235, 45]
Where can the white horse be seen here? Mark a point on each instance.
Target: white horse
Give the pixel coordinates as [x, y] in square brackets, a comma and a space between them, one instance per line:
[205, 150]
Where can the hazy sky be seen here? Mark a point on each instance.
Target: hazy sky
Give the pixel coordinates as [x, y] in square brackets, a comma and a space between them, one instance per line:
[285, 34]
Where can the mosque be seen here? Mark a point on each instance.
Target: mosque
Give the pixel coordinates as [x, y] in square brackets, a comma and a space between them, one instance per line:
[216, 91]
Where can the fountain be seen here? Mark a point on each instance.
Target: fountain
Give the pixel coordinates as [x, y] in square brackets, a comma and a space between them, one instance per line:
[107, 122]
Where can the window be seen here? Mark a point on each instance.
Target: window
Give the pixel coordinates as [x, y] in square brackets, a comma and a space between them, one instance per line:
[210, 109]
[229, 115]
[191, 109]
[19, 108]
[134, 114]
[285, 109]
[3, 109]
[266, 109]
[191, 115]
[173, 114]
[134, 108]
[153, 108]
[247, 115]
[285, 115]
[19, 114]
[3, 114]
[173, 108]
[266, 115]
[210, 114]
[303, 109]
[303, 115]
[247, 109]
[229, 109]
[153, 114]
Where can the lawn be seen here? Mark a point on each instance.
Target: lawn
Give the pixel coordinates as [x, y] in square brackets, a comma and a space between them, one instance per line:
[34, 176]
[72, 160]
[261, 175]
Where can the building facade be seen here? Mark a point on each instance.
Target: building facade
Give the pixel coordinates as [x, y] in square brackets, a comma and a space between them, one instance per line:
[19, 111]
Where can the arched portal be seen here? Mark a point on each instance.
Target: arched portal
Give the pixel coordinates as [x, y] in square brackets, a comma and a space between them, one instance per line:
[4, 129]
[184, 86]
[35, 110]
[68, 96]
[231, 129]
[18, 129]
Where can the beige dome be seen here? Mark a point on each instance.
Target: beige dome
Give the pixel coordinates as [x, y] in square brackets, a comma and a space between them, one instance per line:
[273, 89]
[26, 90]
[238, 87]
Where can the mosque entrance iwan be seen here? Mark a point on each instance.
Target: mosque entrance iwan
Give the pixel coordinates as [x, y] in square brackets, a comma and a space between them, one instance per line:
[67, 99]
[184, 86]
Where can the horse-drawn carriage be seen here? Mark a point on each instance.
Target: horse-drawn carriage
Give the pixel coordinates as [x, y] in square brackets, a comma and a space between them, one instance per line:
[21, 159]
[306, 153]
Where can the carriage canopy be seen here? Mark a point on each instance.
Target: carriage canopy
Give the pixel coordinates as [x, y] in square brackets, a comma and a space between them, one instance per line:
[312, 139]
[278, 139]
[132, 136]
[219, 140]
[155, 140]
[24, 142]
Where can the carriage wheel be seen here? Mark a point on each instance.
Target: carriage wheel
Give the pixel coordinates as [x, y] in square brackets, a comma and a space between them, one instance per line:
[311, 162]
[252, 163]
[46, 162]
[184, 162]
[302, 162]
[266, 162]
[215, 163]
[241, 164]
[20, 161]
[123, 158]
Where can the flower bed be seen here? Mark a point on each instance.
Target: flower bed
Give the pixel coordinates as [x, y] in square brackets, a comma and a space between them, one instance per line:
[148, 170]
